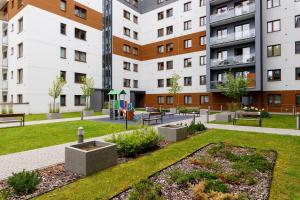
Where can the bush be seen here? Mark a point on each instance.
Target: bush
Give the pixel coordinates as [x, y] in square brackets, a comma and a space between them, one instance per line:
[24, 182]
[145, 190]
[193, 128]
[140, 141]
[4, 194]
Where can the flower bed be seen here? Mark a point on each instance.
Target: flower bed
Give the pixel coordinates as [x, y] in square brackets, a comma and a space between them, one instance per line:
[217, 171]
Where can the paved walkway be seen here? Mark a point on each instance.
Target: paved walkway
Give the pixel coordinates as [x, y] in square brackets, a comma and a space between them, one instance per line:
[43, 157]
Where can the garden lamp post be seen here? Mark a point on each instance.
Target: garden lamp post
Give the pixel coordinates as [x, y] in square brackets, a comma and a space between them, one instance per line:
[80, 135]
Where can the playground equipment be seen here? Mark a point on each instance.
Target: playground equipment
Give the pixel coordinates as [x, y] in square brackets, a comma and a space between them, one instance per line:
[118, 106]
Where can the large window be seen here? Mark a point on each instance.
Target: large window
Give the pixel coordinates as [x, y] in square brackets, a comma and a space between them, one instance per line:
[160, 83]
[80, 34]
[63, 28]
[63, 100]
[63, 52]
[274, 50]
[79, 100]
[160, 66]
[187, 6]
[297, 47]
[80, 56]
[126, 83]
[160, 100]
[63, 5]
[170, 100]
[170, 64]
[274, 26]
[204, 99]
[20, 24]
[188, 100]
[188, 62]
[80, 12]
[274, 99]
[187, 81]
[187, 44]
[297, 21]
[203, 80]
[273, 3]
[202, 60]
[187, 25]
[20, 76]
[126, 48]
[79, 77]
[20, 50]
[126, 66]
[274, 75]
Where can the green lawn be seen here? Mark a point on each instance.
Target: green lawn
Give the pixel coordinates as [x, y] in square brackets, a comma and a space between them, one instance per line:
[105, 184]
[37, 136]
[38, 117]
[276, 121]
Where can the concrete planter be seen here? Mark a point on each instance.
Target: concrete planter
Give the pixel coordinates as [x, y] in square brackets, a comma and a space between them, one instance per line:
[105, 111]
[173, 110]
[88, 113]
[90, 157]
[173, 133]
[224, 117]
[53, 115]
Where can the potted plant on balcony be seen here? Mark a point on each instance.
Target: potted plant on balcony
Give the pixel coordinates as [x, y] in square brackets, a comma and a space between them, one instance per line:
[88, 90]
[174, 90]
[55, 92]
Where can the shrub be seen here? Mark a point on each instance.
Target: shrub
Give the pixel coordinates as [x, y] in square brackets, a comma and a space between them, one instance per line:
[193, 127]
[249, 163]
[24, 182]
[137, 142]
[4, 194]
[215, 185]
[145, 190]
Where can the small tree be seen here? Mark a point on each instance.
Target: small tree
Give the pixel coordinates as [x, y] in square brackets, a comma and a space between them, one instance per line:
[233, 87]
[56, 91]
[175, 88]
[88, 90]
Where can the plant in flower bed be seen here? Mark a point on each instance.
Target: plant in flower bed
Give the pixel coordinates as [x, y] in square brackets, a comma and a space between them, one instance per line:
[137, 142]
[196, 127]
[24, 182]
[264, 114]
[215, 172]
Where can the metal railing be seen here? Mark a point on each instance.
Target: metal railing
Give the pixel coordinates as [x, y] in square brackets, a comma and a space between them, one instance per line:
[234, 60]
[236, 36]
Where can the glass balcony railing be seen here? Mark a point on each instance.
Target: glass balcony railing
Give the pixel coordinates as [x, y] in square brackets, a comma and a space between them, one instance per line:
[234, 12]
[236, 36]
[234, 60]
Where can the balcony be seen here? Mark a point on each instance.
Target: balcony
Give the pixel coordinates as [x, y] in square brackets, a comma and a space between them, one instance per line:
[233, 15]
[251, 82]
[235, 61]
[233, 39]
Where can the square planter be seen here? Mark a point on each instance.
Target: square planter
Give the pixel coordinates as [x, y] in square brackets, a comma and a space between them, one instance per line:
[173, 133]
[53, 115]
[90, 157]
[224, 117]
[88, 113]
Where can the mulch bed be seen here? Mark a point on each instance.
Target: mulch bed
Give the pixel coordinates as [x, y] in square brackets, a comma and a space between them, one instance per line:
[170, 190]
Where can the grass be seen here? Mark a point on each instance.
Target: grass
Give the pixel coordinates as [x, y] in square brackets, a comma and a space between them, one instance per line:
[276, 121]
[38, 117]
[105, 184]
[36, 136]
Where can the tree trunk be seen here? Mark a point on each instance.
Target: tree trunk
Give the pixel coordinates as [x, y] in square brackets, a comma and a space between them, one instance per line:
[53, 105]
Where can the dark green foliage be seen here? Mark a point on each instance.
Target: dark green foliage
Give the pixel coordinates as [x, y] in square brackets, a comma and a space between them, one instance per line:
[249, 163]
[4, 194]
[215, 185]
[145, 190]
[138, 142]
[194, 128]
[265, 114]
[24, 182]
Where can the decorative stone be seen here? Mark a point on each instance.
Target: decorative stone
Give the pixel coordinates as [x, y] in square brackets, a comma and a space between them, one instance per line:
[173, 133]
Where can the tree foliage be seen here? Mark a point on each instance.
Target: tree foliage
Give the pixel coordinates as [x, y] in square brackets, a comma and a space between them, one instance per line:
[88, 90]
[56, 90]
[175, 88]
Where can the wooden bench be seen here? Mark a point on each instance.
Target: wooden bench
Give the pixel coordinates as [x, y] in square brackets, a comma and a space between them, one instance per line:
[153, 116]
[247, 116]
[12, 118]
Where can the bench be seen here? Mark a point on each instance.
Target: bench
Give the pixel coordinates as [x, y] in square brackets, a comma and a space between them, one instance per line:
[247, 116]
[12, 118]
[153, 116]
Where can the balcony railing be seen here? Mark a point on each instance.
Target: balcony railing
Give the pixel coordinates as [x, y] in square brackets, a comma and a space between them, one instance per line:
[236, 36]
[234, 12]
[235, 60]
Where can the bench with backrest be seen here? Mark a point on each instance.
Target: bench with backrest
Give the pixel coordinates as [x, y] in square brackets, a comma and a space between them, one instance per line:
[12, 118]
[153, 116]
[247, 116]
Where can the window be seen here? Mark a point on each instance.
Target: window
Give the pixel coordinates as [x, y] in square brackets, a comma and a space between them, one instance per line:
[187, 81]
[204, 99]
[135, 19]
[160, 15]
[274, 50]
[202, 21]
[63, 5]
[20, 76]
[79, 78]
[274, 75]
[126, 31]
[80, 12]
[160, 100]
[188, 62]
[297, 21]
[80, 34]
[274, 26]
[126, 14]
[79, 100]
[169, 30]
[135, 35]
[20, 50]
[135, 51]
[160, 66]
[202, 3]
[63, 75]
[202, 40]
[298, 73]
[187, 25]
[273, 3]
[63, 52]
[63, 100]
[202, 60]
[126, 83]
[80, 56]
[170, 100]
[20, 98]
[187, 6]
[297, 47]
[135, 67]
[298, 99]
[135, 83]
[160, 32]
[170, 12]
[202, 80]
[188, 100]
[126, 66]
[274, 99]
[169, 64]
[20, 25]
[4, 98]
[187, 44]
[126, 48]
[170, 47]
[169, 82]
[160, 49]
[63, 29]
[160, 83]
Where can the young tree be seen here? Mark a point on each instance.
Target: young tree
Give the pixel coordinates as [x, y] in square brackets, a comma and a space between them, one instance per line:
[88, 90]
[175, 88]
[56, 90]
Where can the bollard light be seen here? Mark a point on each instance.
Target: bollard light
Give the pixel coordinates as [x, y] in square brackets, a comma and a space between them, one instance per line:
[80, 135]
[298, 121]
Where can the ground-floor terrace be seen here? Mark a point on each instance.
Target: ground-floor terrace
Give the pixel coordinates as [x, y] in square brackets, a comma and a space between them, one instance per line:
[272, 101]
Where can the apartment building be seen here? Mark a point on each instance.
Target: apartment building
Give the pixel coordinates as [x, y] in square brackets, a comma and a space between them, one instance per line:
[138, 45]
